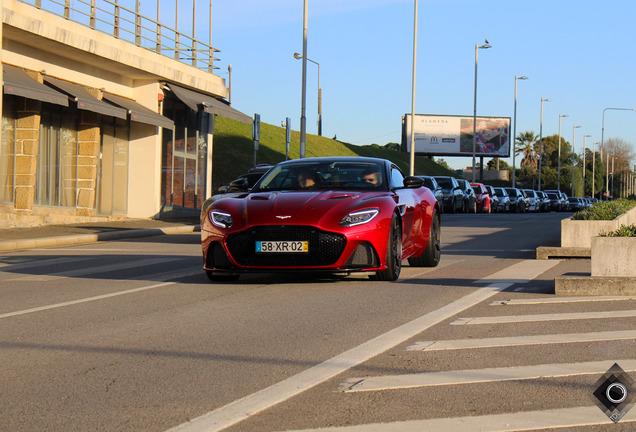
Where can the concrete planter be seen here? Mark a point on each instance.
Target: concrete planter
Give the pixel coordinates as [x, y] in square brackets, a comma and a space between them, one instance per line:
[614, 256]
[579, 233]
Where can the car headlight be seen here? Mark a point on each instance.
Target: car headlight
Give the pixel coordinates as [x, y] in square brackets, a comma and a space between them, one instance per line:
[359, 217]
[221, 219]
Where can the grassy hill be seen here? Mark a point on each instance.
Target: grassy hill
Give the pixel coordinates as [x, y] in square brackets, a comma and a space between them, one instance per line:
[233, 150]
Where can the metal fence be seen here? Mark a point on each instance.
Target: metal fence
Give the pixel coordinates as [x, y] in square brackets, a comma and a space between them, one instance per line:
[110, 18]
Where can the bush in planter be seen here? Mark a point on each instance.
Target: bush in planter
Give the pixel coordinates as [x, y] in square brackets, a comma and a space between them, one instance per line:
[623, 231]
[605, 210]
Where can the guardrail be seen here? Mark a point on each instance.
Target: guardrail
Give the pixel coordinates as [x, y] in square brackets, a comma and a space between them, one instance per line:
[110, 18]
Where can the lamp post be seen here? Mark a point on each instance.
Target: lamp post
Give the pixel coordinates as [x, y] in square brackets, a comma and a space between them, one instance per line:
[573, 154]
[541, 140]
[303, 119]
[298, 57]
[477, 48]
[412, 154]
[593, 167]
[584, 167]
[602, 141]
[514, 133]
[559, 161]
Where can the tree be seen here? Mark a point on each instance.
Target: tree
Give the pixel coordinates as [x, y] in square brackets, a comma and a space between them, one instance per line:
[525, 144]
[503, 165]
[443, 163]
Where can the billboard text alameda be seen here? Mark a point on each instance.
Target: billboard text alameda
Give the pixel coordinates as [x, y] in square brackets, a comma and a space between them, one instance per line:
[453, 135]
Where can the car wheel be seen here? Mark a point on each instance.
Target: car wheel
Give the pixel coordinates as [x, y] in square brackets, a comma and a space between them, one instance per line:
[221, 277]
[474, 208]
[393, 254]
[431, 255]
[453, 208]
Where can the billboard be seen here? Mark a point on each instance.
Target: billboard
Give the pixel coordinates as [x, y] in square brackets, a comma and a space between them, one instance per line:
[443, 135]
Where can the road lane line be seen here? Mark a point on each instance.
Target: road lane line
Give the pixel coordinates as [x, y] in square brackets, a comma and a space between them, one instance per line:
[445, 345]
[521, 272]
[172, 275]
[254, 403]
[475, 376]
[10, 268]
[555, 300]
[94, 270]
[508, 422]
[544, 317]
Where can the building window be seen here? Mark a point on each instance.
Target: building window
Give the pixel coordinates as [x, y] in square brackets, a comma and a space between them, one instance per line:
[56, 178]
[7, 151]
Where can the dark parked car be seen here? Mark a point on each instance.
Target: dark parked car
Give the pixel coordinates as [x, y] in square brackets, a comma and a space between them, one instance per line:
[518, 201]
[432, 184]
[543, 201]
[453, 195]
[555, 201]
[562, 199]
[533, 199]
[470, 200]
[504, 199]
[238, 186]
[575, 204]
[482, 194]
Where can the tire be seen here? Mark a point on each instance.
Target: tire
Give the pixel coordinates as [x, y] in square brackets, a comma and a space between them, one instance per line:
[474, 209]
[220, 277]
[393, 254]
[453, 208]
[433, 252]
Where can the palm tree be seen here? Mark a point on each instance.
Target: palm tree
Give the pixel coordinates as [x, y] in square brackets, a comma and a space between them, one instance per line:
[525, 144]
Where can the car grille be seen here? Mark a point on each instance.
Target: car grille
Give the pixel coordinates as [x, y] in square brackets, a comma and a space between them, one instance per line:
[324, 247]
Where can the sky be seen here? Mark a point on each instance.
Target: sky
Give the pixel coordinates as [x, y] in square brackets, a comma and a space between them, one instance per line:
[580, 54]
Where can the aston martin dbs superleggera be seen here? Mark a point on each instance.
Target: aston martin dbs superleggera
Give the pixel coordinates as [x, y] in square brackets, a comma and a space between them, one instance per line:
[333, 214]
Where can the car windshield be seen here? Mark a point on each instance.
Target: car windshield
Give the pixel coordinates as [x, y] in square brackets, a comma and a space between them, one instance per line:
[335, 175]
[477, 189]
[444, 182]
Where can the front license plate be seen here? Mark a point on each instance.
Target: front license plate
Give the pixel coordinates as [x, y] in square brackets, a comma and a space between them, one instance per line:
[282, 246]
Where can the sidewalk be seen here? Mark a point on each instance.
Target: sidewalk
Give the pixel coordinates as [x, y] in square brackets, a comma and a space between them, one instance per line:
[64, 235]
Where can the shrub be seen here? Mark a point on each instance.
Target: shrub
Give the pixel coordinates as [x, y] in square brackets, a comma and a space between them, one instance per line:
[623, 231]
[605, 210]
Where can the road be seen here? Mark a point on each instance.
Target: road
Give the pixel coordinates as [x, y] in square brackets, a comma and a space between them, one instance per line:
[130, 336]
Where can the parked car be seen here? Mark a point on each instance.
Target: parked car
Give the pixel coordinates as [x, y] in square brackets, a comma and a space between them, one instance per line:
[518, 201]
[494, 199]
[470, 200]
[356, 214]
[543, 200]
[238, 186]
[575, 204]
[482, 195]
[432, 184]
[453, 195]
[562, 199]
[533, 204]
[555, 201]
[504, 199]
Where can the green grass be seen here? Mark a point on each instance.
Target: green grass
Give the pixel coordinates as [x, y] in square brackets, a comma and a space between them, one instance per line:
[233, 151]
[623, 231]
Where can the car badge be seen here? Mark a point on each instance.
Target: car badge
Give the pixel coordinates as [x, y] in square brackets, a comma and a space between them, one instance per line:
[283, 217]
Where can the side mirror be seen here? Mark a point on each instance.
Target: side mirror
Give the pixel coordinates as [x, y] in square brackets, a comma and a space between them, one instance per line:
[239, 184]
[413, 182]
[222, 189]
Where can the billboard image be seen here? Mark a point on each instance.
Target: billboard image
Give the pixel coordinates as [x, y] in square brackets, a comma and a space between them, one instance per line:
[442, 135]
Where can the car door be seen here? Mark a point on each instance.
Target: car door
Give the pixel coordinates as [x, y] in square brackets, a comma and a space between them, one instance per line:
[406, 203]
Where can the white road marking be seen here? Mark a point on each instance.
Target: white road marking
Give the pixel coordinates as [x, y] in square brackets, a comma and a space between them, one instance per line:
[545, 317]
[247, 406]
[521, 340]
[172, 275]
[94, 269]
[473, 376]
[35, 262]
[552, 300]
[521, 272]
[519, 421]
[420, 271]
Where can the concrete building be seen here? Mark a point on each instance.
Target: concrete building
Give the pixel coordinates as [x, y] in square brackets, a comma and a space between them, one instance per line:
[102, 116]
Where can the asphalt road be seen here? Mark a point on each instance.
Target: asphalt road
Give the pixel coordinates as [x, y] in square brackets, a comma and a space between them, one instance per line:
[130, 336]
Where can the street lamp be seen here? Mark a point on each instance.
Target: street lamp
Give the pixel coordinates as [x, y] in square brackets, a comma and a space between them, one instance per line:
[573, 154]
[559, 161]
[299, 57]
[602, 142]
[541, 140]
[593, 167]
[477, 48]
[412, 154]
[303, 118]
[584, 167]
[514, 133]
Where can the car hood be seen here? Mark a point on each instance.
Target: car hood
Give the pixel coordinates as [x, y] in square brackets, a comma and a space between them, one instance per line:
[300, 207]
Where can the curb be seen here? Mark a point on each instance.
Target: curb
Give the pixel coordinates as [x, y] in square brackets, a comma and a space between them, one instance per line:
[595, 286]
[69, 240]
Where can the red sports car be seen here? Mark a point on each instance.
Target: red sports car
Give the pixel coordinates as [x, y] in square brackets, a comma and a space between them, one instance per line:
[333, 214]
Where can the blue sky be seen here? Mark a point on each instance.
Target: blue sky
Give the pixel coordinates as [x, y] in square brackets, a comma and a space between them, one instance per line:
[581, 54]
